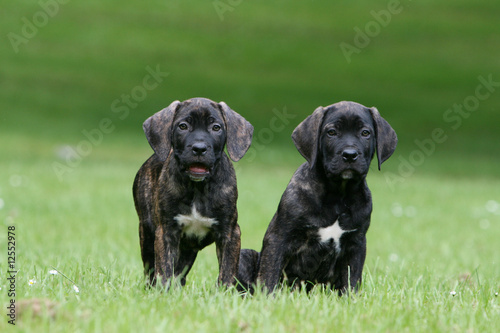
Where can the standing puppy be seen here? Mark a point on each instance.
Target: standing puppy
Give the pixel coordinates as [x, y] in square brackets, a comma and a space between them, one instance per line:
[318, 234]
[185, 193]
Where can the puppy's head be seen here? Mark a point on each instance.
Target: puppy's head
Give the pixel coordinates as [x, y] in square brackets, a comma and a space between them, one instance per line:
[343, 138]
[196, 131]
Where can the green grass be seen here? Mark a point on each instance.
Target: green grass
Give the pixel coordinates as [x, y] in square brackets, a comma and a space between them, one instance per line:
[433, 235]
[433, 232]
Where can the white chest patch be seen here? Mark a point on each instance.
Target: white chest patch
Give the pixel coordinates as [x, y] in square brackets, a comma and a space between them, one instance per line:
[195, 225]
[332, 232]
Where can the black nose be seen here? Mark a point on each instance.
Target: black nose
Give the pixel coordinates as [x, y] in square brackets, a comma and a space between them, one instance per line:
[350, 155]
[199, 149]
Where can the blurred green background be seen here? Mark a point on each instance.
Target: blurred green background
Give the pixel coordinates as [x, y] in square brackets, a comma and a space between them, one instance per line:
[62, 65]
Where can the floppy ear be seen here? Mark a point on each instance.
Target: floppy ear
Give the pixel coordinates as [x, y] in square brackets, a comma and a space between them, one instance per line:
[305, 135]
[239, 132]
[158, 130]
[385, 137]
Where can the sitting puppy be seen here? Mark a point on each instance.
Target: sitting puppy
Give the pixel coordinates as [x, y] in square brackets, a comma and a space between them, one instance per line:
[185, 193]
[318, 234]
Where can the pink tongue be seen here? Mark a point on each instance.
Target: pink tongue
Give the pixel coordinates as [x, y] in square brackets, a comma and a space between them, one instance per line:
[198, 169]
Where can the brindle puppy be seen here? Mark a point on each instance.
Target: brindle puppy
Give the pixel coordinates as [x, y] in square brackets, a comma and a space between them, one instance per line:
[318, 234]
[185, 193]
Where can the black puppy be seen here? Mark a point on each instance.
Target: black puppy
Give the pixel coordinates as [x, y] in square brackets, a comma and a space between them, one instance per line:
[318, 234]
[185, 193]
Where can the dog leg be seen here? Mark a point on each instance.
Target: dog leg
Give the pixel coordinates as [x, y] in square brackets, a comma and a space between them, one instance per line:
[184, 264]
[166, 254]
[271, 266]
[147, 241]
[351, 269]
[247, 270]
[228, 254]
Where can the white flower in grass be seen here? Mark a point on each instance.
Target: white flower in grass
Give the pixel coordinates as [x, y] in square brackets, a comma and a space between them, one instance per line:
[75, 288]
[15, 180]
[397, 209]
[484, 224]
[453, 293]
[492, 206]
[31, 282]
[393, 257]
[53, 272]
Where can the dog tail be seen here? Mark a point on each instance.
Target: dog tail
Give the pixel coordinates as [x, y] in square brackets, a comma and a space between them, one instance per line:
[247, 270]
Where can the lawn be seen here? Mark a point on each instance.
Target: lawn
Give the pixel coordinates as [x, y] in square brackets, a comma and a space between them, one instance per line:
[432, 263]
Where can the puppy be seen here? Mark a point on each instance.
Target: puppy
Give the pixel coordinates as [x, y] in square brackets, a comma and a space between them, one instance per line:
[185, 193]
[318, 234]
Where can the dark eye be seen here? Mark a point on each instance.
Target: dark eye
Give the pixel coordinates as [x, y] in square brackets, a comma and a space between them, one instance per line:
[365, 133]
[331, 132]
[183, 126]
[216, 128]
